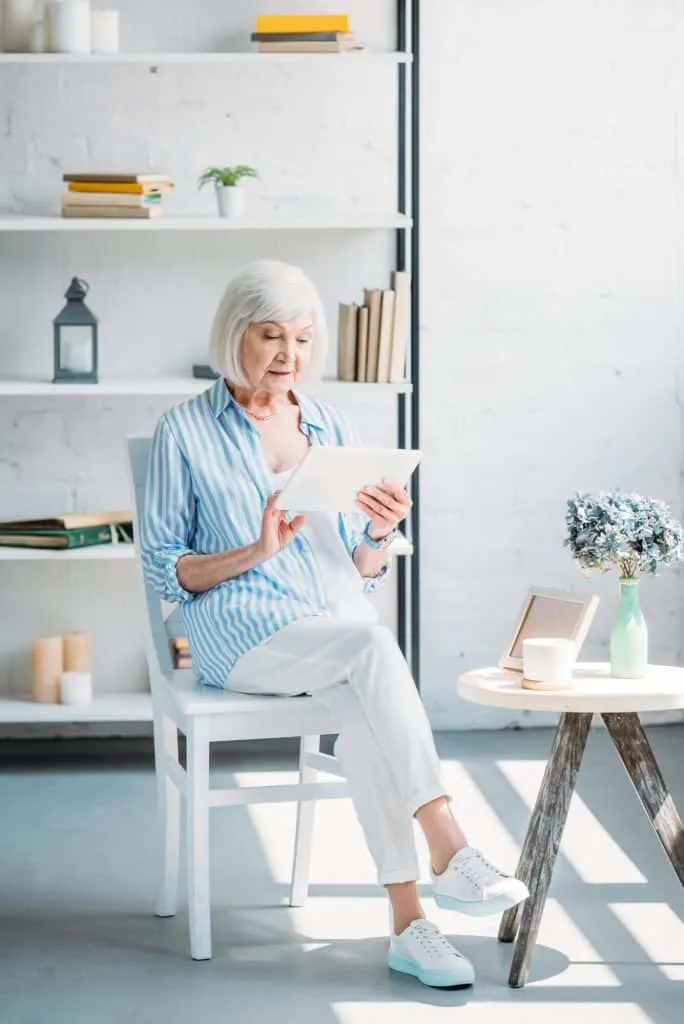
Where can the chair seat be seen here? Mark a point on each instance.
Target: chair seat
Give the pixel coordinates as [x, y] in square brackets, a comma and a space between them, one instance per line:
[194, 698]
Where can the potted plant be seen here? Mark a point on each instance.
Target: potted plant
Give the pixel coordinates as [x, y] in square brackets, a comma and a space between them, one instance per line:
[230, 196]
[635, 535]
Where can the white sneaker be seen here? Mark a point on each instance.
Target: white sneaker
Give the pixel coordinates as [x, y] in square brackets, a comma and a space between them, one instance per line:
[471, 884]
[422, 950]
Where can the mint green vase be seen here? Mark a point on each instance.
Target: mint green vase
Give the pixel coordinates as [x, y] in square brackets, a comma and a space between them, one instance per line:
[629, 635]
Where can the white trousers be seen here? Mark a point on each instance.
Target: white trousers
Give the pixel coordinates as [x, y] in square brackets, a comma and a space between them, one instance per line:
[385, 746]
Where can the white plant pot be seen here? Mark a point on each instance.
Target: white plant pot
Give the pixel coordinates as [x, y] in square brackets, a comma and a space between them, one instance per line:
[230, 200]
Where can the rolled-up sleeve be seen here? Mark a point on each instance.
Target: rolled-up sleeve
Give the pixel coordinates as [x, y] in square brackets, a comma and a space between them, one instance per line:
[167, 523]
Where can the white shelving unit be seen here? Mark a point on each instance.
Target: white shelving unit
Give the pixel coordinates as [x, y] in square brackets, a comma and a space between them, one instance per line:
[136, 707]
[335, 220]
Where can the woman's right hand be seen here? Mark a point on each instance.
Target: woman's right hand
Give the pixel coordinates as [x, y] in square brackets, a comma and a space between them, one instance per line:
[277, 531]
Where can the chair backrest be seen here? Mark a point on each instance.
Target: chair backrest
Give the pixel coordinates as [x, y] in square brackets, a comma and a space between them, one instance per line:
[156, 645]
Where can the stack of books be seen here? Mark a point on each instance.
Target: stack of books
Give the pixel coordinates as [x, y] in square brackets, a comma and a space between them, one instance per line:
[180, 652]
[115, 195]
[304, 33]
[69, 531]
[371, 338]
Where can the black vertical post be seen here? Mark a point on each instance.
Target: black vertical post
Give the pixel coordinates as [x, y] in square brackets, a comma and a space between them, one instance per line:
[407, 257]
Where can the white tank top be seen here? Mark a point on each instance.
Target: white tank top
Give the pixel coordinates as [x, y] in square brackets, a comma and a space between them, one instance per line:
[341, 580]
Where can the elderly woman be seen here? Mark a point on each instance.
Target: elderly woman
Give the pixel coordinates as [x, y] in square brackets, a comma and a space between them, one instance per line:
[277, 605]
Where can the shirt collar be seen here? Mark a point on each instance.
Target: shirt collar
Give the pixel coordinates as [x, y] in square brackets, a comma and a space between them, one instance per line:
[220, 398]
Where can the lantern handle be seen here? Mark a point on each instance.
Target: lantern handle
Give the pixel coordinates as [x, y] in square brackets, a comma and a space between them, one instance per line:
[78, 289]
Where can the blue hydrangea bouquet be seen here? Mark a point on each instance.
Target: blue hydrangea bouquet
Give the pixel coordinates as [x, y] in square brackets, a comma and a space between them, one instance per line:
[635, 535]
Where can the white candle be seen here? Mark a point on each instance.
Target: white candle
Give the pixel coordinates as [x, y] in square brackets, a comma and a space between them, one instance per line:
[76, 688]
[17, 23]
[70, 27]
[104, 31]
[548, 663]
[75, 348]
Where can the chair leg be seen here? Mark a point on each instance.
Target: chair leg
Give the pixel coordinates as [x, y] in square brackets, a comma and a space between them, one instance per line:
[197, 838]
[168, 815]
[305, 821]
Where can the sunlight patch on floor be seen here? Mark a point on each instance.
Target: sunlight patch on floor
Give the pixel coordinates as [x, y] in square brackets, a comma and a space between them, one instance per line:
[660, 933]
[587, 845]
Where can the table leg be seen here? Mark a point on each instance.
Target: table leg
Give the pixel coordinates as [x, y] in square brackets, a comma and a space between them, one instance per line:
[510, 920]
[544, 835]
[631, 742]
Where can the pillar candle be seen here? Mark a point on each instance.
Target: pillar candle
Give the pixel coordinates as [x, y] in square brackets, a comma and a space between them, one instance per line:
[17, 24]
[76, 688]
[104, 31]
[77, 652]
[70, 26]
[46, 668]
[548, 663]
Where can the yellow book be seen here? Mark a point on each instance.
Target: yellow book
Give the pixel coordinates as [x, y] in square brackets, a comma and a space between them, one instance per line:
[302, 23]
[132, 188]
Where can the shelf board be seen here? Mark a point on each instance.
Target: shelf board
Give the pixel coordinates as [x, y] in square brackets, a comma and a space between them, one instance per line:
[93, 553]
[106, 707]
[247, 57]
[177, 386]
[332, 220]
[115, 553]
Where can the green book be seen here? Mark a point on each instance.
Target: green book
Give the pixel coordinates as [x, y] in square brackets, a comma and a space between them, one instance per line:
[75, 538]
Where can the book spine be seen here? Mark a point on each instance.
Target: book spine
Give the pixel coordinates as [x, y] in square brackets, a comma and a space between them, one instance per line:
[400, 324]
[362, 346]
[303, 47]
[130, 212]
[385, 345]
[373, 299]
[118, 188]
[87, 537]
[297, 37]
[278, 23]
[110, 199]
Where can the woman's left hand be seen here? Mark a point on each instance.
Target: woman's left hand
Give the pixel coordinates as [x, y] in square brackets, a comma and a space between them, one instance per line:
[386, 505]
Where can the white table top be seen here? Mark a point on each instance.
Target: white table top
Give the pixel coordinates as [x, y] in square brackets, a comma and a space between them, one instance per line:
[594, 689]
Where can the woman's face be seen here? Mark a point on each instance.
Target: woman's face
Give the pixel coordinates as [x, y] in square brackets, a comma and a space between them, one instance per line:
[276, 354]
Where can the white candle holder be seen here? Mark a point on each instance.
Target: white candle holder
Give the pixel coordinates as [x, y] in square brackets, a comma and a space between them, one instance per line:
[76, 688]
[548, 663]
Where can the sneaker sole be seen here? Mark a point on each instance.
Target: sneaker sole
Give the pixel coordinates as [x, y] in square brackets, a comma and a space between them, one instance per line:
[483, 908]
[433, 978]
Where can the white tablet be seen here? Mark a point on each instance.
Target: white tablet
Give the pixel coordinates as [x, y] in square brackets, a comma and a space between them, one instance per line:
[329, 477]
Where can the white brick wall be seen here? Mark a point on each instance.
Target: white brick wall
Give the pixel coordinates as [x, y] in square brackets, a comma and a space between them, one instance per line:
[552, 307]
[551, 294]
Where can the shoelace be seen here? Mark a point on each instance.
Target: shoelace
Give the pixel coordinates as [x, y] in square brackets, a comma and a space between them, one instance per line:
[478, 869]
[432, 941]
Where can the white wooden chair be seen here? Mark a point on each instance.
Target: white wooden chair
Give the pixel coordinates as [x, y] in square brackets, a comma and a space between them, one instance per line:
[207, 715]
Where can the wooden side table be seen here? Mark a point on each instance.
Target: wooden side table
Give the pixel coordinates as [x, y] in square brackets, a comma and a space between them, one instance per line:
[619, 702]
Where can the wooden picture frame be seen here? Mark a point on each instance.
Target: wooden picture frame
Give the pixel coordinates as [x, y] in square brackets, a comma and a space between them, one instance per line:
[550, 613]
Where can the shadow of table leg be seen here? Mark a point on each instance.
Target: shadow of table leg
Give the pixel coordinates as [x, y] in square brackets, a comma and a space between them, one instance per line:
[544, 835]
[631, 743]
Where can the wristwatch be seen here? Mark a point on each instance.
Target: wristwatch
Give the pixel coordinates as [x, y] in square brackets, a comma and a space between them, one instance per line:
[383, 542]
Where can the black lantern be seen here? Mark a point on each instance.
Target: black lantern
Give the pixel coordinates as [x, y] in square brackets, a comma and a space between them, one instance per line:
[75, 338]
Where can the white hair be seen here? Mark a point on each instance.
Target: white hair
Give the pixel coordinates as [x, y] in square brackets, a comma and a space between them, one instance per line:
[261, 291]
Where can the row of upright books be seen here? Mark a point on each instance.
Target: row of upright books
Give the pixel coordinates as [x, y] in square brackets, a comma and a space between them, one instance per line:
[304, 33]
[371, 338]
[132, 195]
[72, 530]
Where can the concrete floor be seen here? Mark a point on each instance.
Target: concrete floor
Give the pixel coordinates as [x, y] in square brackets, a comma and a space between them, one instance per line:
[79, 945]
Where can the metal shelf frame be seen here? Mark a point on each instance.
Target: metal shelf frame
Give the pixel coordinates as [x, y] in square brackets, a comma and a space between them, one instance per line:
[408, 258]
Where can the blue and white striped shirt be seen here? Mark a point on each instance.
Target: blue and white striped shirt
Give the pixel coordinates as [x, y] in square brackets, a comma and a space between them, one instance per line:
[207, 486]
